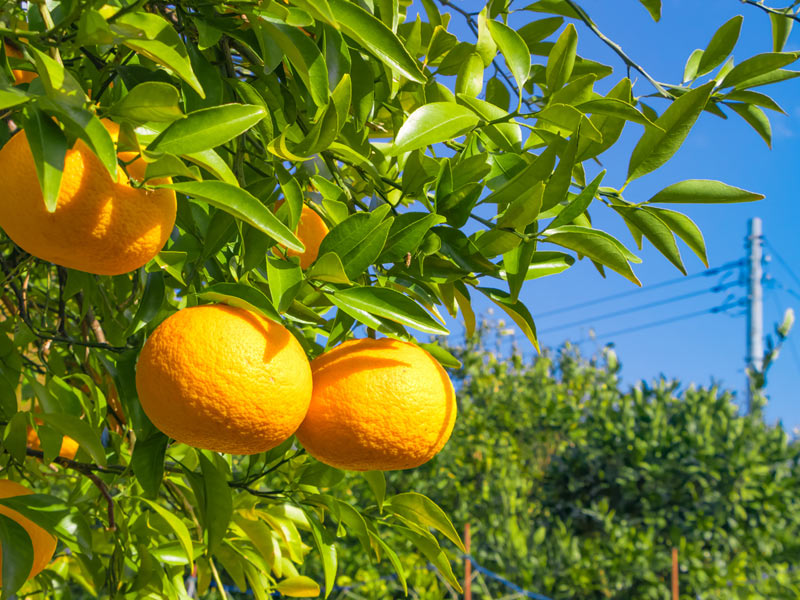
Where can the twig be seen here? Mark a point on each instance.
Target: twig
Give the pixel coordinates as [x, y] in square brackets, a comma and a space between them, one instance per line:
[217, 579]
[616, 48]
[100, 484]
[773, 11]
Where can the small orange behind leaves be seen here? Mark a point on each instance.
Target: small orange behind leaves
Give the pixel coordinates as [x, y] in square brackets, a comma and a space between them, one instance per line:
[310, 230]
[69, 447]
[20, 76]
[378, 405]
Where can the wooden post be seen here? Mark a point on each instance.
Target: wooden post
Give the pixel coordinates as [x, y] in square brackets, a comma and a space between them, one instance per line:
[674, 574]
[467, 564]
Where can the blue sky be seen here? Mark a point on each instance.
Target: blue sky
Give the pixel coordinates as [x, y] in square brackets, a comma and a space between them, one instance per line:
[710, 348]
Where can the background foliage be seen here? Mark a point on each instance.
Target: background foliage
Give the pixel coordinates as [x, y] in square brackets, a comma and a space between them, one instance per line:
[351, 108]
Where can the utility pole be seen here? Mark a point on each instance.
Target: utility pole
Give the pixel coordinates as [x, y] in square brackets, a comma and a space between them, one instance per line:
[755, 304]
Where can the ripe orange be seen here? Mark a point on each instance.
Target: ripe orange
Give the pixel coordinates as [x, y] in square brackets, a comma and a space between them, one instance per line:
[378, 405]
[99, 226]
[69, 447]
[224, 379]
[20, 76]
[44, 543]
[310, 230]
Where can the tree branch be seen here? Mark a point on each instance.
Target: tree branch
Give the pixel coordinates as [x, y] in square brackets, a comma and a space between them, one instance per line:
[773, 11]
[100, 484]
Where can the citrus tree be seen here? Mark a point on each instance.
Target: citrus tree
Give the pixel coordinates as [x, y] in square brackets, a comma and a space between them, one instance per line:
[199, 197]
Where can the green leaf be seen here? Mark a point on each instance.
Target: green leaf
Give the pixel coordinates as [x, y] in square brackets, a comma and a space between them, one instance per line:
[329, 267]
[207, 128]
[430, 549]
[653, 7]
[557, 188]
[406, 234]
[377, 483]
[49, 147]
[524, 182]
[524, 210]
[751, 97]
[692, 63]
[657, 146]
[285, 278]
[767, 78]
[544, 264]
[684, 228]
[554, 7]
[147, 460]
[390, 304]
[169, 165]
[720, 46]
[597, 245]
[515, 264]
[393, 558]
[579, 204]
[570, 119]
[327, 551]
[433, 123]
[518, 312]
[217, 503]
[154, 37]
[59, 84]
[378, 39]
[423, 511]
[514, 50]
[80, 431]
[213, 163]
[92, 131]
[507, 135]
[561, 59]
[10, 97]
[298, 586]
[17, 552]
[757, 66]
[655, 230]
[178, 527]
[703, 191]
[469, 80]
[781, 28]
[43, 509]
[242, 296]
[613, 107]
[754, 117]
[242, 205]
[358, 241]
[537, 30]
[150, 101]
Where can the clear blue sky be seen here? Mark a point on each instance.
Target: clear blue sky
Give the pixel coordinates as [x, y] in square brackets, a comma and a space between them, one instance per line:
[711, 347]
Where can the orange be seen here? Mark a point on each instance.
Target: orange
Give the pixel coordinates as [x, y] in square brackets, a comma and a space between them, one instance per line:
[69, 447]
[99, 226]
[20, 76]
[310, 230]
[44, 544]
[224, 379]
[378, 405]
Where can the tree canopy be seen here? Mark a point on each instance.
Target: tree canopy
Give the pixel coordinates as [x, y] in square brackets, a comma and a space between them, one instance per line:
[446, 168]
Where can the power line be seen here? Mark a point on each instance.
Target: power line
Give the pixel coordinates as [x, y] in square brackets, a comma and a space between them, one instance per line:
[783, 262]
[626, 311]
[706, 273]
[683, 317]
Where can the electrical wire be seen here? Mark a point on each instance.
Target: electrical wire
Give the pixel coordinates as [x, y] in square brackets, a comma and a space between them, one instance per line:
[706, 273]
[682, 317]
[626, 311]
[782, 261]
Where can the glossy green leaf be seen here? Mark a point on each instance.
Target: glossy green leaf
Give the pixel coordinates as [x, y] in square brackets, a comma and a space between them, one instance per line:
[11, 97]
[406, 234]
[433, 123]
[557, 188]
[423, 511]
[298, 586]
[17, 552]
[756, 66]
[615, 108]
[91, 130]
[703, 191]
[524, 182]
[242, 205]
[692, 63]
[328, 267]
[49, 148]
[579, 204]
[213, 163]
[720, 46]
[178, 527]
[326, 548]
[684, 228]
[390, 304]
[150, 101]
[657, 146]
[285, 278]
[154, 37]
[515, 265]
[207, 128]
[561, 60]
[377, 483]
[217, 503]
[431, 550]
[147, 461]
[653, 7]
[358, 241]
[754, 117]
[469, 80]
[242, 296]
[595, 244]
[571, 120]
[544, 264]
[781, 28]
[61, 85]
[655, 230]
[80, 431]
[514, 50]
[377, 38]
[518, 312]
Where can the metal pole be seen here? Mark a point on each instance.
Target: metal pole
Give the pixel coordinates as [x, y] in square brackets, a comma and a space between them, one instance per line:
[467, 564]
[755, 304]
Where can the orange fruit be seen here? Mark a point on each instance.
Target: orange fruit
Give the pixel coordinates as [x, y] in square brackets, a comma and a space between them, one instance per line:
[69, 447]
[99, 226]
[44, 543]
[20, 76]
[378, 405]
[224, 379]
[310, 230]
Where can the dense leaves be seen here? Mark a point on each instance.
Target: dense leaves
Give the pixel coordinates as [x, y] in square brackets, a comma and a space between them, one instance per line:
[448, 163]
